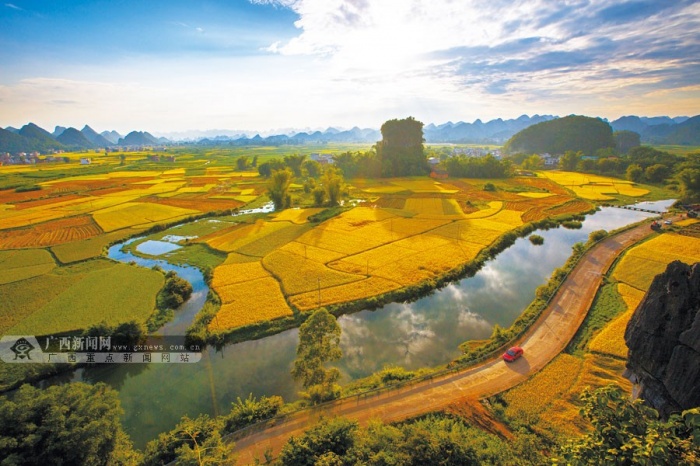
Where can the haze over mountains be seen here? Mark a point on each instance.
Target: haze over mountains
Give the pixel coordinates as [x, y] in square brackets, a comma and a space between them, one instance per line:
[655, 130]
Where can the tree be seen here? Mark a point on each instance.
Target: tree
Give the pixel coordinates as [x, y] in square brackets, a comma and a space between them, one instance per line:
[67, 424]
[266, 169]
[657, 173]
[242, 163]
[332, 185]
[629, 432]
[312, 168]
[401, 151]
[192, 442]
[319, 196]
[255, 161]
[689, 179]
[319, 343]
[569, 160]
[294, 163]
[122, 159]
[278, 186]
[626, 140]
[322, 444]
[533, 162]
[176, 291]
[634, 173]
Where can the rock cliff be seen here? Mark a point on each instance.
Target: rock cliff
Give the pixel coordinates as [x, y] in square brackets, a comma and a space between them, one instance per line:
[663, 338]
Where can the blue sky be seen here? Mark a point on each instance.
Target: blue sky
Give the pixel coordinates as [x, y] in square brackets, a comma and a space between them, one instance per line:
[181, 65]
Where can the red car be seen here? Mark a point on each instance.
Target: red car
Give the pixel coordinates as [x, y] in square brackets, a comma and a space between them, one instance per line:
[512, 354]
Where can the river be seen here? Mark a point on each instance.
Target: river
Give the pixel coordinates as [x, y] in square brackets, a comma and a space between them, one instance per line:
[423, 333]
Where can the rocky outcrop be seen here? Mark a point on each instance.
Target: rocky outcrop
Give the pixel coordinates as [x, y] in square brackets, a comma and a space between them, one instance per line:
[663, 338]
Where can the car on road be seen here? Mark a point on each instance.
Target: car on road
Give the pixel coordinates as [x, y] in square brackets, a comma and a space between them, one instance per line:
[512, 354]
[668, 222]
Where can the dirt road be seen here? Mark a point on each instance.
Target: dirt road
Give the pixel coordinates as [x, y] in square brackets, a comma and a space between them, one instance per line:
[545, 340]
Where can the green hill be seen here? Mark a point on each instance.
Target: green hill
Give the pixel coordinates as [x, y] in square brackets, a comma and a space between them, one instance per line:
[574, 132]
[39, 139]
[12, 142]
[74, 139]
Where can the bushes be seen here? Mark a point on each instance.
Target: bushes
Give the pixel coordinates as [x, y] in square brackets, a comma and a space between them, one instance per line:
[536, 240]
[250, 411]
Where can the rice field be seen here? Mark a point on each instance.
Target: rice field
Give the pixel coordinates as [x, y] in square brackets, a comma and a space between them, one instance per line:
[50, 233]
[18, 265]
[299, 275]
[248, 303]
[594, 187]
[132, 214]
[642, 263]
[114, 293]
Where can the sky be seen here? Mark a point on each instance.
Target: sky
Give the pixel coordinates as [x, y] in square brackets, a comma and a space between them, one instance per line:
[179, 65]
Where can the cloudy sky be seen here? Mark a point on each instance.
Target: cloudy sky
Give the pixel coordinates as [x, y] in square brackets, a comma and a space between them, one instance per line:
[176, 65]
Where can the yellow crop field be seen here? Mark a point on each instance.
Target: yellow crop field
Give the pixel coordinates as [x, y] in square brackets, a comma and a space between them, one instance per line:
[299, 275]
[471, 231]
[535, 195]
[642, 263]
[232, 239]
[21, 264]
[687, 222]
[494, 207]
[298, 216]
[631, 296]
[426, 264]
[594, 187]
[248, 303]
[137, 213]
[372, 286]
[236, 258]
[313, 253]
[421, 185]
[50, 233]
[228, 274]
[372, 259]
[611, 339]
[425, 206]
[562, 415]
[533, 396]
[339, 242]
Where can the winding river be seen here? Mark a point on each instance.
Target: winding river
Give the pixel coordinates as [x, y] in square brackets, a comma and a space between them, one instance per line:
[422, 333]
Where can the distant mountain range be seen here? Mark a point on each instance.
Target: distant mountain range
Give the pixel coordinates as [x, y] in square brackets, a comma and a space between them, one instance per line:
[655, 130]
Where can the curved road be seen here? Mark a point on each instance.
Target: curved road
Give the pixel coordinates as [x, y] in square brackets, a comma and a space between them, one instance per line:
[545, 340]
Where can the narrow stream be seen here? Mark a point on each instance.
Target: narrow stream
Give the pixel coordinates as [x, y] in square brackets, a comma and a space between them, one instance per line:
[423, 333]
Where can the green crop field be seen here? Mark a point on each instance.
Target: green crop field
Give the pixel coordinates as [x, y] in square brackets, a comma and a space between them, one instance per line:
[98, 291]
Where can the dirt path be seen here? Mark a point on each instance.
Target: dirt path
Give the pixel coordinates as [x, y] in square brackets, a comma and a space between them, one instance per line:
[545, 340]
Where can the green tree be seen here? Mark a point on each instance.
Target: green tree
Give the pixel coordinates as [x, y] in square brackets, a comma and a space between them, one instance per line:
[255, 161]
[332, 184]
[319, 196]
[294, 162]
[324, 443]
[634, 173]
[242, 163]
[278, 186]
[176, 291]
[629, 432]
[689, 179]
[265, 169]
[626, 140]
[67, 424]
[533, 162]
[192, 442]
[311, 168]
[401, 151]
[319, 343]
[570, 160]
[122, 159]
[657, 173]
